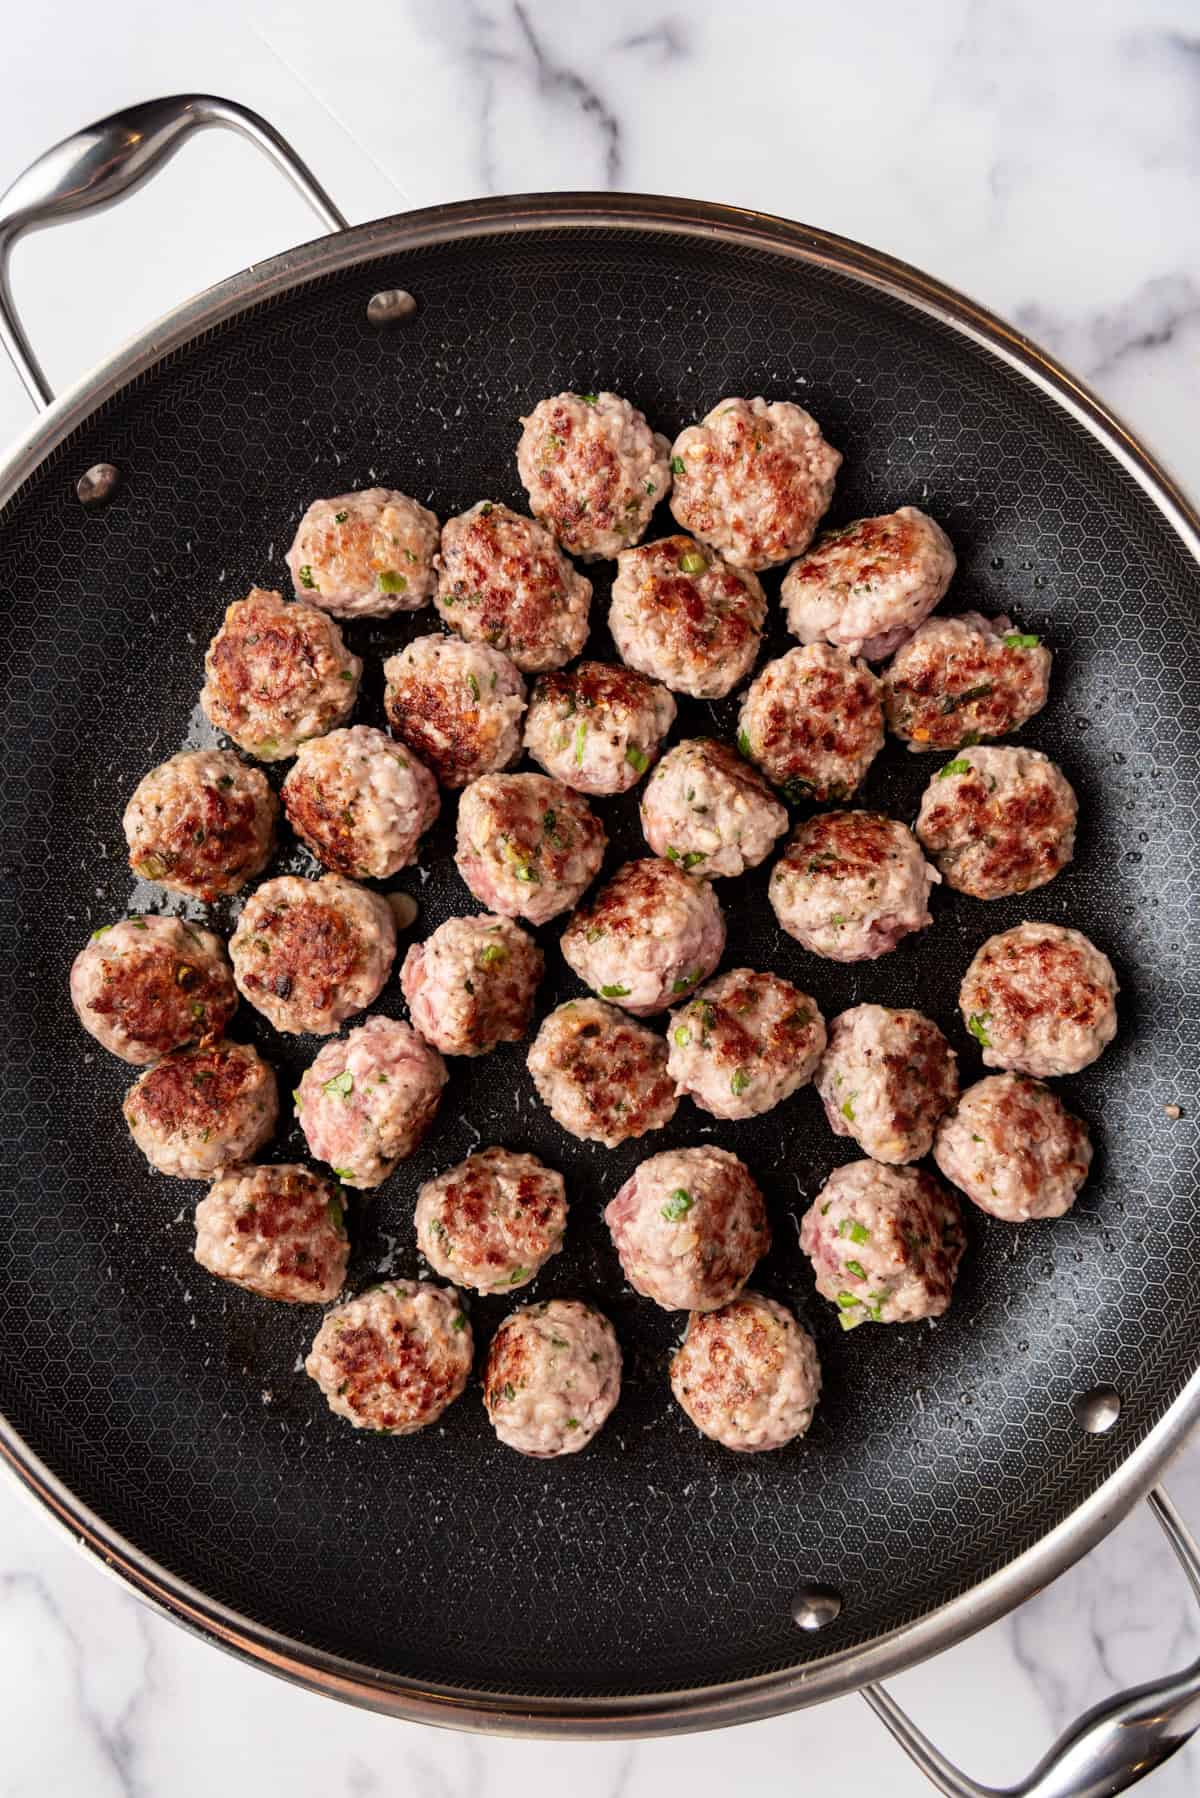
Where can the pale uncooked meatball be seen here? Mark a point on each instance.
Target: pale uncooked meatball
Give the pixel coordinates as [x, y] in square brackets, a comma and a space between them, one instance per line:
[201, 823]
[310, 953]
[503, 580]
[754, 479]
[850, 885]
[866, 587]
[744, 1043]
[885, 1079]
[1041, 999]
[1014, 1149]
[457, 705]
[885, 1243]
[601, 1076]
[472, 984]
[683, 616]
[394, 1358]
[747, 1375]
[278, 1231]
[148, 985]
[492, 1222]
[813, 722]
[594, 471]
[597, 727]
[688, 1227]
[368, 1100]
[998, 821]
[960, 680]
[648, 938]
[527, 845]
[200, 1110]
[365, 555]
[277, 674]
[709, 811]
[360, 803]
[552, 1378]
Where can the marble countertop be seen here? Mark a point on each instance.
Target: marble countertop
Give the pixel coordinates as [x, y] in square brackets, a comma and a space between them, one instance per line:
[1045, 159]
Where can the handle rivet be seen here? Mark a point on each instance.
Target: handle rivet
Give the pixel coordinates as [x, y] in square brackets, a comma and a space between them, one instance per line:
[1097, 1410]
[98, 484]
[391, 307]
[815, 1606]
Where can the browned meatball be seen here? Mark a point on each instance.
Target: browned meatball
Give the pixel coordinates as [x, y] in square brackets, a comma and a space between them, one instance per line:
[202, 823]
[504, 581]
[1040, 998]
[492, 1222]
[200, 1110]
[457, 705]
[393, 1358]
[310, 953]
[813, 721]
[148, 985]
[277, 1231]
[276, 675]
[597, 727]
[959, 680]
[602, 1077]
[683, 616]
[998, 821]
[649, 937]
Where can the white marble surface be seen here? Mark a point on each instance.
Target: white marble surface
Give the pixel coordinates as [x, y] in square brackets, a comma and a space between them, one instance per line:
[1045, 158]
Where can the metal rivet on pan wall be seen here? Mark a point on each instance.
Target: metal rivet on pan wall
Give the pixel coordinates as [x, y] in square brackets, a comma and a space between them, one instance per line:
[1097, 1410]
[98, 484]
[391, 307]
[815, 1605]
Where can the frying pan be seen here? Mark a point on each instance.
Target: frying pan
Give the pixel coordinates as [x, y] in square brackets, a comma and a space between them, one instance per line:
[656, 1582]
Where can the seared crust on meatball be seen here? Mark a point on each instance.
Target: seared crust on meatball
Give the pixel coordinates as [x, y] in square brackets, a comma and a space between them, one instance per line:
[278, 1231]
[885, 1079]
[200, 1110]
[365, 555]
[597, 727]
[683, 616]
[393, 1358]
[527, 845]
[148, 985]
[744, 1043]
[503, 580]
[277, 674]
[360, 803]
[594, 471]
[368, 1100]
[850, 885]
[458, 705]
[648, 938]
[552, 1378]
[813, 721]
[867, 586]
[998, 821]
[709, 811]
[753, 478]
[885, 1243]
[1014, 1149]
[472, 984]
[201, 823]
[1041, 999]
[310, 953]
[601, 1076]
[688, 1227]
[963, 679]
[492, 1222]
[747, 1375]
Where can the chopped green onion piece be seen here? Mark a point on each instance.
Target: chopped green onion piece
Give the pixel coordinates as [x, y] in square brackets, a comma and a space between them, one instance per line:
[958, 766]
[518, 1274]
[527, 873]
[589, 399]
[692, 562]
[678, 1205]
[686, 981]
[340, 517]
[491, 953]
[337, 1216]
[739, 1082]
[614, 992]
[1021, 640]
[743, 743]
[848, 1109]
[683, 1037]
[392, 581]
[637, 759]
[580, 740]
[977, 1024]
[847, 1299]
[139, 923]
[857, 1269]
[100, 932]
[306, 575]
[342, 1084]
[677, 465]
[460, 1322]
[346, 1174]
[850, 1320]
[473, 684]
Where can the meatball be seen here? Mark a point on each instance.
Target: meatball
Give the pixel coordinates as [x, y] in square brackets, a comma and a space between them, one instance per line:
[866, 588]
[527, 846]
[1014, 1149]
[957, 680]
[684, 617]
[649, 937]
[360, 804]
[201, 823]
[1041, 999]
[813, 721]
[200, 1110]
[493, 1221]
[688, 1227]
[368, 1100]
[277, 674]
[393, 1358]
[365, 555]
[597, 727]
[148, 985]
[998, 821]
[850, 885]
[277, 1231]
[503, 580]
[885, 1243]
[707, 810]
[472, 984]
[747, 1375]
[601, 1076]
[457, 705]
[552, 1378]
[753, 479]
[885, 1079]
[310, 953]
[594, 471]
[745, 1042]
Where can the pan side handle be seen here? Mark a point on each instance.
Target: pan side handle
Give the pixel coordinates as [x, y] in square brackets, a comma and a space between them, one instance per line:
[101, 164]
[1107, 1751]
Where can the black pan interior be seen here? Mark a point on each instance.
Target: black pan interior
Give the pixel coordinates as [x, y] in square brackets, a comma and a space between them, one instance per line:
[174, 1405]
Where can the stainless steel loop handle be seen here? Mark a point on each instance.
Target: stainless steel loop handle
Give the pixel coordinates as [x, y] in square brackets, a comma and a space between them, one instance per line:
[101, 164]
[1112, 1747]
